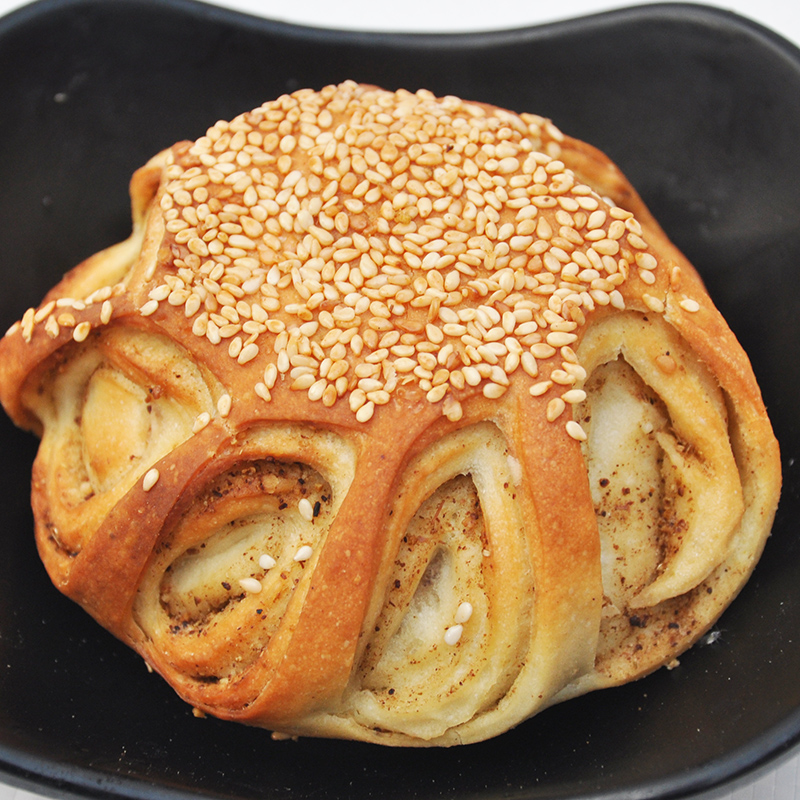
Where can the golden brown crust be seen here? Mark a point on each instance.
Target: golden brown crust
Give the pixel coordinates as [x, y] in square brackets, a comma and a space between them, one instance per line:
[397, 418]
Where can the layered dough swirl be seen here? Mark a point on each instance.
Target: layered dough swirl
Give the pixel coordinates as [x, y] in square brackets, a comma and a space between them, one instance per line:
[397, 418]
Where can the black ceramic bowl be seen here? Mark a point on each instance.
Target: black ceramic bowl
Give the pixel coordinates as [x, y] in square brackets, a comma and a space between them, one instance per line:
[702, 111]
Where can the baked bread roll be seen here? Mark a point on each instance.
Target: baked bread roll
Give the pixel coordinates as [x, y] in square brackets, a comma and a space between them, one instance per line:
[397, 418]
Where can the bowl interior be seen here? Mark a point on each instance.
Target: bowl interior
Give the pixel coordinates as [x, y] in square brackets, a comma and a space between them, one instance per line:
[698, 107]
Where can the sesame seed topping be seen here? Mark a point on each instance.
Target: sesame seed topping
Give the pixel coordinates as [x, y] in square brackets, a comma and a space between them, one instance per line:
[150, 479]
[351, 242]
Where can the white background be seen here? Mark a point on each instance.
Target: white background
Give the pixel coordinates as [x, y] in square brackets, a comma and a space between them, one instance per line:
[782, 782]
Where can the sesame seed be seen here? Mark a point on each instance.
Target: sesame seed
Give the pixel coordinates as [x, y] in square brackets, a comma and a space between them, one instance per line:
[304, 553]
[150, 479]
[81, 331]
[562, 377]
[647, 276]
[51, 327]
[463, 613]
[653, 303]
[302, 382]
[224, 405]
[452, 409]
[690, 305]
[646, 261]
[159, 293]
[543, 351]
[365, 412]
[270, 375]
[452, 636]
[574, 396]
[248, 353]
[560, 338]
[106, 311]
[540, 388]
[575, 431]
[44, 312]
[266, 561]
[555, 408]
[306, 509]
[574, 369]
[494, 390]
[149, 308]
[529, 364]
[201, 421]
[250, 585]
[66, 302]
[437, 393]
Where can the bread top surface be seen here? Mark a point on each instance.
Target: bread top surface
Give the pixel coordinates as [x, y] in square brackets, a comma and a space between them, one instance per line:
[373, 284]
[389, 243]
